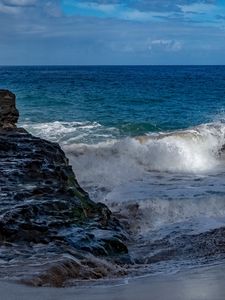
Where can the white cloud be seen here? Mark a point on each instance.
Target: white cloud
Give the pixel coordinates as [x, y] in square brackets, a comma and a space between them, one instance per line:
[104, 8]
[142, 45]
[197, 8]
[52, 9]
[168, 45]
[136, 15]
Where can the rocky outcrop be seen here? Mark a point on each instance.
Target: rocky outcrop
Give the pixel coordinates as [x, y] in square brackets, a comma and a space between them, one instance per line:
[8, 113]
[46, 219]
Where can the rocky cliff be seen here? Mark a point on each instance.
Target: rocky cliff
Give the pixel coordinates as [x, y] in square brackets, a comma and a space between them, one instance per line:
[50, 230]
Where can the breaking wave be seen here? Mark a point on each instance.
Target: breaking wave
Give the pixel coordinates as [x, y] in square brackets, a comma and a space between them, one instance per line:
[195, 150]
[157, 179]
[153, 214]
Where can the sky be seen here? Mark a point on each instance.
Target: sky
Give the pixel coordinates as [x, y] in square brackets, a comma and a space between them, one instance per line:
[112, 32]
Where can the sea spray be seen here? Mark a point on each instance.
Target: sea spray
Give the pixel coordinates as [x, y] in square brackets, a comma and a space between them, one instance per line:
[107, 164]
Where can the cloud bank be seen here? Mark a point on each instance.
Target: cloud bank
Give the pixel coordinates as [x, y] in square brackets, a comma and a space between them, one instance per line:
[112, 32]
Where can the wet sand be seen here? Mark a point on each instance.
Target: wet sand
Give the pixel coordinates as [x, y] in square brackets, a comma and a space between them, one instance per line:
[198, 284]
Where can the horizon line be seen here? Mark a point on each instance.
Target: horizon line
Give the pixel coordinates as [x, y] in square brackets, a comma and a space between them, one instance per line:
[110, 65]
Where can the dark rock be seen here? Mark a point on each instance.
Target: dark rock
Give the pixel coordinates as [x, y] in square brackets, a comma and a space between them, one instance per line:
[41, 203]
[8, 113]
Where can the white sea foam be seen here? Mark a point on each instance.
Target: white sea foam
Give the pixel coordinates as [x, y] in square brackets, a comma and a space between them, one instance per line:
[113, 161]
[153, 214]
[170, 176]
[69, 132]
[117, 161]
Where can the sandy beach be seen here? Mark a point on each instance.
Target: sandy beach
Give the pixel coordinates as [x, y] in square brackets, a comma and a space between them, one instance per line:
[198, 284]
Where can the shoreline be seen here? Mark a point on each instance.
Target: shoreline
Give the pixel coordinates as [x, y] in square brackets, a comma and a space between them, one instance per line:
[195, 284]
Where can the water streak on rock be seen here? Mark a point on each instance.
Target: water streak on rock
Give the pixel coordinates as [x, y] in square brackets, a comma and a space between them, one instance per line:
[47, 220]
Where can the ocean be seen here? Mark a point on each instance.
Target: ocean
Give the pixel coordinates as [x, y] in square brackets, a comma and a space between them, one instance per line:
[145, 140]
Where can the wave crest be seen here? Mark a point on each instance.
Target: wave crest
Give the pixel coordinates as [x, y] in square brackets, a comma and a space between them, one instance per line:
[192, 151]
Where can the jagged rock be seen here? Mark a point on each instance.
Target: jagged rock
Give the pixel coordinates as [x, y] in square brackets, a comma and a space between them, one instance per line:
[8, 113]
[42, 205]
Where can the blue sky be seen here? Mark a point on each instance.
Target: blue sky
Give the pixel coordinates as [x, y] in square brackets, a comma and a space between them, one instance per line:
[89, 32]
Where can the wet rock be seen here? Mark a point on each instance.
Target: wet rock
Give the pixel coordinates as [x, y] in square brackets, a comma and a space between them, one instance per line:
[41, 203]
[8, 113]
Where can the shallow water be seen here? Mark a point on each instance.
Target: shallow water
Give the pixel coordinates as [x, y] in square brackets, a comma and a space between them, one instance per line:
[198, 284]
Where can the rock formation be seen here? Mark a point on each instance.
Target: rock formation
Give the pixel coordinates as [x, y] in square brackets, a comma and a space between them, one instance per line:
[8, 113]
[48, 224]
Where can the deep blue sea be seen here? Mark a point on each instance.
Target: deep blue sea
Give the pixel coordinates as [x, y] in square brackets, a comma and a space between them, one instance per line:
[134, 100]
[148, 137]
